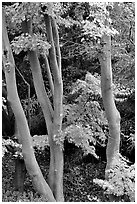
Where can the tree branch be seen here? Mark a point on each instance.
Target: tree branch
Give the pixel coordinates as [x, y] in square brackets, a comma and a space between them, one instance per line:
[56, 42]
[52, 50]
[27, 148]
[28, 85]
[49, 75]
[38, 78]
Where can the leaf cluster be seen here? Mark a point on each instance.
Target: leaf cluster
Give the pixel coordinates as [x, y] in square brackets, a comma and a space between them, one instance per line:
[39, 142]
[16, 196]
[26, 42]
[34, 106]
[81, 137]
[84, 117]
[121, 181]
[16, 147]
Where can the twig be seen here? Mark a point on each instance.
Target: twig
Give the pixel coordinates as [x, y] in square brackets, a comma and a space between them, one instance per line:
[28, 85]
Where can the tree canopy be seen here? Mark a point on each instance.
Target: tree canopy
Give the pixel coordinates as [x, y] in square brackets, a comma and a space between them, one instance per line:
[65, 54]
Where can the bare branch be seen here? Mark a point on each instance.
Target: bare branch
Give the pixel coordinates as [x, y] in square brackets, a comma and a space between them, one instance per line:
[38, 78]
[52, 50]
[56, 42]
[49, 75]
[28, 85]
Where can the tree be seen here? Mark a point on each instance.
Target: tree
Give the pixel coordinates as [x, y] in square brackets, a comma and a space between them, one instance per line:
[53, 191]
[120, 50]
[112, 113]
[38, 36]
[123, 45]
[100, 29]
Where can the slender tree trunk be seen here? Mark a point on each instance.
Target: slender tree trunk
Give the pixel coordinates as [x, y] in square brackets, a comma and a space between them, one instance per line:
[55, 177]
[53, 116]
[20, 174]
[27, 148]
[49, 75]
[20, 168]
[56, 159]
[112, 113]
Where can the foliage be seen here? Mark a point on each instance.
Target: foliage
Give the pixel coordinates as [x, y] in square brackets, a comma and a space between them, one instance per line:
[96, 24]
[76, 46]
[26, 10]
[83, 39]
[15, 196]
[80, 43]
[123, 45]
[78, 180]
[16, 147]
[81, 137]
[121, 181]
[34, 106]
[76, 41]
[19, 12]
[26, 42]
[39, 142]
[84, 117]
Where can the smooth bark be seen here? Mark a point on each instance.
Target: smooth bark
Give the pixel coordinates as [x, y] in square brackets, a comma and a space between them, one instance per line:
[56, 42]
[27, 148]
[56, 153]
[49, 75]
[53, 117]
[112, 113]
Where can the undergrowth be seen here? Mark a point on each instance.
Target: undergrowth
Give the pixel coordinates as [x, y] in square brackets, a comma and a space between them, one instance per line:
[120, 182]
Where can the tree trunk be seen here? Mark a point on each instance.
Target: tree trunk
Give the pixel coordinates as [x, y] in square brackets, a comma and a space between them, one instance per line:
[26, 140]
[20, 174]
[53, 116]
[55, 177]
[56, 152]
[20, 168]
[112, 113]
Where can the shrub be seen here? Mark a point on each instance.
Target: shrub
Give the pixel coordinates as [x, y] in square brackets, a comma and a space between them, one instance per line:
[15, 196]
[81, 137]
[83, 116]
[120, 181]
[9, 146]
[85, 108]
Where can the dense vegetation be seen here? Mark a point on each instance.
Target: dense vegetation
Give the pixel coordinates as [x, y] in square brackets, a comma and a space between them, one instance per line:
[85, 126]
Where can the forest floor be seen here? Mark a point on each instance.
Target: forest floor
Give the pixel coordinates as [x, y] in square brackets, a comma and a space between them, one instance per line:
[79, 173]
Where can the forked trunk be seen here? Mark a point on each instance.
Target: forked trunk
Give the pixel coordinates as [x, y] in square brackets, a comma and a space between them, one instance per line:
[112, 113]
[53, 116]
[25, 137]
[56, 153]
